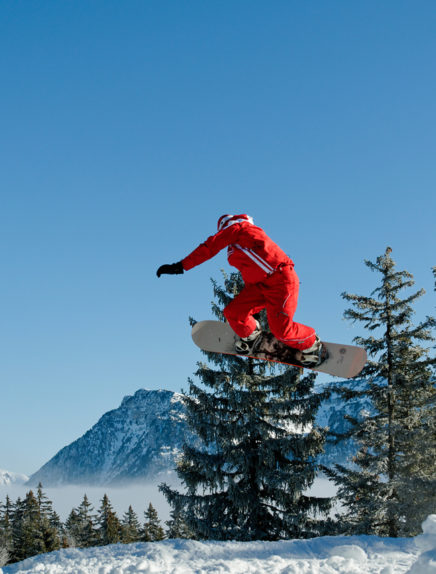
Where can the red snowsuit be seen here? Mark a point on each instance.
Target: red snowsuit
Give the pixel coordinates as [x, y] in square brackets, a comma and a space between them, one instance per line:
[270, 282]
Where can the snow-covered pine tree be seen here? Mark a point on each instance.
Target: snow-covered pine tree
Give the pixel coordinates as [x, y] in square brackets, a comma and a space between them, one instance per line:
[259, 445]
[109, 531]
[389, 491]
[130, 528]
[153, 531]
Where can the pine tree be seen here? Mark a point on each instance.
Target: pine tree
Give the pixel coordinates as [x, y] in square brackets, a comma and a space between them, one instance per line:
[81, 527]
[87, 533]
[153, 531]
[50, 523]
[418, 485]
[177, 527]
[4, 555]
[88, 536]
[390, 491]
[109, 526]
[15, 526]
[247, 479]
[72, 529]
[27, 534]
[130, 527]
[6, 545]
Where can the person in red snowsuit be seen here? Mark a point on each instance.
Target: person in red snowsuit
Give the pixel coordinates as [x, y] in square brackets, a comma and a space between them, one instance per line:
[270, 283]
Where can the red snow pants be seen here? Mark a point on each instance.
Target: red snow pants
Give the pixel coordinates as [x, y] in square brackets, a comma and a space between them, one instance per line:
[278, 294]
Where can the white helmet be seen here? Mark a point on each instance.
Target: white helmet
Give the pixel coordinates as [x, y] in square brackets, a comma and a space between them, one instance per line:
[226, 220]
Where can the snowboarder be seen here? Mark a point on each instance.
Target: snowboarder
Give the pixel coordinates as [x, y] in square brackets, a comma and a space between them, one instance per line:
[270, 283]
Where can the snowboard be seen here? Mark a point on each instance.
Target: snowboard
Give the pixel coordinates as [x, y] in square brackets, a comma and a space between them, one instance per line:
[344, 361]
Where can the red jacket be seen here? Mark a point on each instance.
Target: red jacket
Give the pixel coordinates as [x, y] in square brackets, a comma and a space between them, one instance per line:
[249, 249]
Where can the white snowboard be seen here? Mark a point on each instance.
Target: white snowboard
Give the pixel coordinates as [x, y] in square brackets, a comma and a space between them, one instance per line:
[344, 361]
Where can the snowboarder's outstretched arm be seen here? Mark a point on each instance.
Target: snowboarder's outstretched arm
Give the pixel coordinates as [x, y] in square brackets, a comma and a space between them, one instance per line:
[203, 252]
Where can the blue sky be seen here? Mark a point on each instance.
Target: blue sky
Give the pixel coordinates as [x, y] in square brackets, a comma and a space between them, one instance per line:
[128, 128]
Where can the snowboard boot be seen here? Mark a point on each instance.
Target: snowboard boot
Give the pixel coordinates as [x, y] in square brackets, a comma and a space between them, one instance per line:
[314, 355]
[247, 345]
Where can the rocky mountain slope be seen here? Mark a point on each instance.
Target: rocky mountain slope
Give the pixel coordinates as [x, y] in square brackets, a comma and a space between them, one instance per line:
[134, 442]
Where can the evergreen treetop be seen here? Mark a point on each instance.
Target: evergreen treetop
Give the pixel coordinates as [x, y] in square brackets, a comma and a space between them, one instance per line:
[109, 530]
[131, 529]
[153, 531]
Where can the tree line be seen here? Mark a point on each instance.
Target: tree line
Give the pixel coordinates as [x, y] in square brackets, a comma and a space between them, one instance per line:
[30, 526]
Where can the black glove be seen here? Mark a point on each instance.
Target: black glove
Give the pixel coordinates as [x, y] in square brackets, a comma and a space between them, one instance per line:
[173, 269]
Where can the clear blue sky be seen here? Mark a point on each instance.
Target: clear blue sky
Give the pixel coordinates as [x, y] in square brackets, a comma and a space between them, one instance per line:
[128, 128]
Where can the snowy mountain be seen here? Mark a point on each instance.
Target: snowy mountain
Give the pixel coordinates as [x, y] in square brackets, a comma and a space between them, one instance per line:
[134, 442]
[145, 434]
[324, 555]
[7, 478]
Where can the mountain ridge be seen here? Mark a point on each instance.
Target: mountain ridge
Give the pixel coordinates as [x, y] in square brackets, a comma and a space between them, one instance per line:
[133, 442]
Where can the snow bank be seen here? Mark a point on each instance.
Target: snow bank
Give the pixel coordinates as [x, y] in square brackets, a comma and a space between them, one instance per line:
[326, 555]
[426, 544]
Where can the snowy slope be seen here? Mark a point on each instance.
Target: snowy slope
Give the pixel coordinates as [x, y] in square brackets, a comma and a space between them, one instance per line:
[327, 555]
[144, 436]
[7, 478]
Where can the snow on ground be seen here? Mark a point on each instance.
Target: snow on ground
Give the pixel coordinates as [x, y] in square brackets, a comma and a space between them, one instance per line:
[326, 555]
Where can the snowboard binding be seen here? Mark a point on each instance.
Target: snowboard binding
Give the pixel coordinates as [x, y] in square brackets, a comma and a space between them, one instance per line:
[250, 344]
[314, 355]
[313, 358]
[265, 345]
